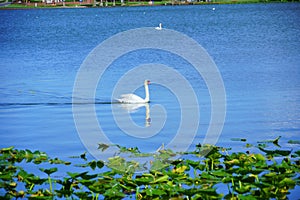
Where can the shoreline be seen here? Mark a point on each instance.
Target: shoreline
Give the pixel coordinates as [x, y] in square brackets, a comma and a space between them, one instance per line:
[75, 5]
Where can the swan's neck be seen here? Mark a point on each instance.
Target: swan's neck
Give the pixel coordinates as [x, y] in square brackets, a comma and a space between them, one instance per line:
[147, 98]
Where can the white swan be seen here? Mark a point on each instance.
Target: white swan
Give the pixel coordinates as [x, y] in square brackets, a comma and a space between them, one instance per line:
[132, 98]
[159, 27]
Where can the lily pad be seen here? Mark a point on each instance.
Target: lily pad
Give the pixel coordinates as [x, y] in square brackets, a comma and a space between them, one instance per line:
[238, 139]
[294, 142]
[49, 171]
[276, 152]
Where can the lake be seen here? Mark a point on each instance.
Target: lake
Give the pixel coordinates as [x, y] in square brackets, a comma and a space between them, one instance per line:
[254, 46]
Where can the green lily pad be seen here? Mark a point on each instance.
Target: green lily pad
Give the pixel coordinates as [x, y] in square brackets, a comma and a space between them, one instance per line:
[238, 139]
[277, 151]
[49, 171]
[294, 142]
[102, 146]
[275, 141]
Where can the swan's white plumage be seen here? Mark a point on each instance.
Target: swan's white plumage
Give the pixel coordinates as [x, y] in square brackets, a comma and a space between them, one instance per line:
[132, 98]
[159, 27]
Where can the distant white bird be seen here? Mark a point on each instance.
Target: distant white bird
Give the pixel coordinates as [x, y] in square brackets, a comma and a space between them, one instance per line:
[213, 8]
[132, 98]
[159, 27]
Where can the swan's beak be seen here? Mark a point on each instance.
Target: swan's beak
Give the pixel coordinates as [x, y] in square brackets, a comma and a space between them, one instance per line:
[148, 82]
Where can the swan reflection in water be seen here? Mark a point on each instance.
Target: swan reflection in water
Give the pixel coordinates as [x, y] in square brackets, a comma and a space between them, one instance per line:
[131, 103]
[132, 108]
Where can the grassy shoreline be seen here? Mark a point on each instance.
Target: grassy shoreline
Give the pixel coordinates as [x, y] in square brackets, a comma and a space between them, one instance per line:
[35, 5]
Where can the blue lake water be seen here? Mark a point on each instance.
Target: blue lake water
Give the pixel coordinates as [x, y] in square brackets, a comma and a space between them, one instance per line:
[255, 47]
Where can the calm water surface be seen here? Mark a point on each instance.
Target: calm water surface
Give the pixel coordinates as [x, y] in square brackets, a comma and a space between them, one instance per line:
[255, 46]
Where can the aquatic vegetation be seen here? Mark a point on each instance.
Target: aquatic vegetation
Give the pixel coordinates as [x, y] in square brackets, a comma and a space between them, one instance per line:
[265, 174]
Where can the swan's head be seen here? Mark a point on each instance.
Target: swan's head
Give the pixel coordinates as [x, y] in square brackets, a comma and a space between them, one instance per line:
[146, 82]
